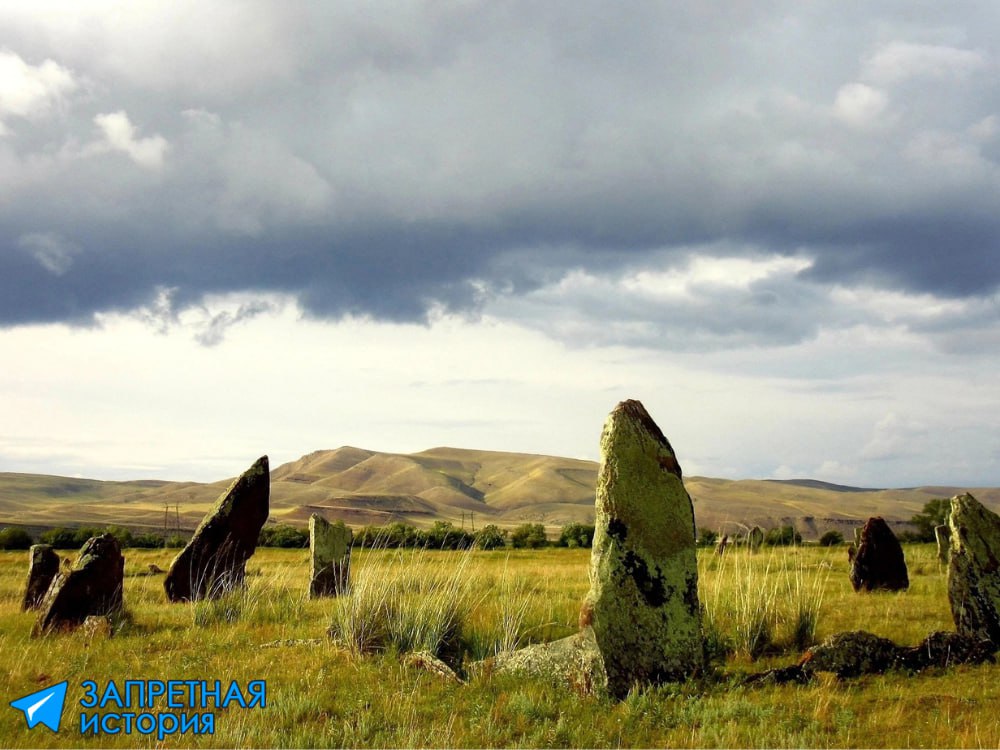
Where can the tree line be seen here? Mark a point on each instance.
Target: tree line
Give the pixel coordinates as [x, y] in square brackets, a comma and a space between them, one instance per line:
[441, 535]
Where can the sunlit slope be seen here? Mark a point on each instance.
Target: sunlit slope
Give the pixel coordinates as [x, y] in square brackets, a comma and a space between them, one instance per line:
[463, 486]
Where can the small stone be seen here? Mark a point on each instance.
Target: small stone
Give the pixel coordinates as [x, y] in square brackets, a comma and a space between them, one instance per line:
[214, 562]
[643, 600]
[720, 548]
[155, 569]
[574, 662]
[92, 587]
[974, 569]
[430, 663]
[42, 568]
[330, 557]
[97, 627]
[879, 562]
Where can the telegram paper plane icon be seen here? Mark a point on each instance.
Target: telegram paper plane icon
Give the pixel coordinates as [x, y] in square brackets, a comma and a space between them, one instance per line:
[44, 707]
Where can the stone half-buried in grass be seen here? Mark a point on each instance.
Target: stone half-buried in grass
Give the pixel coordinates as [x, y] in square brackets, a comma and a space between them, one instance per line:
[640, 622]
[214, 562]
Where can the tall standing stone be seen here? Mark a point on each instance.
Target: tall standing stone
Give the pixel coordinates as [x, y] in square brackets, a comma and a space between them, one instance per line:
[643, 600]
[92, 587]
[974, 569]
[943, 538]
[879, 562]
[214, 561]
[330, 557]
[43, 564]
[755, 538]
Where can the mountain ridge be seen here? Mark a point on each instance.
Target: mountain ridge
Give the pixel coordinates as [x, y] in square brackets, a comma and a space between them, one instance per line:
[461, 485]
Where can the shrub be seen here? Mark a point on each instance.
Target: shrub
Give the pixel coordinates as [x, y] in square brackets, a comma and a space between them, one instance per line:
[444, 535]
[529, 535]
[15, 539]
[282, 535]
[785, 536]
[491, 537]
[831, 539]
[148, 540]
[935, 513]
[707, 538]
[576, 535]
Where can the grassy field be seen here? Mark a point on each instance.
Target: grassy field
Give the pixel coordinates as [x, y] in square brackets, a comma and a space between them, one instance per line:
[324, 695]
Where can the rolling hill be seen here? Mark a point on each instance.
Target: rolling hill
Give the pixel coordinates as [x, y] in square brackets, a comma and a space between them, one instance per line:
[467, 487]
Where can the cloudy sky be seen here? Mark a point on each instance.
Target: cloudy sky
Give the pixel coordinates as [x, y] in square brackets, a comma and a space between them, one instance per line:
[229, 229]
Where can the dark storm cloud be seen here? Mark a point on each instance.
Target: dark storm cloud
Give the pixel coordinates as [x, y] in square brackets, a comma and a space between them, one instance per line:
[388, 160]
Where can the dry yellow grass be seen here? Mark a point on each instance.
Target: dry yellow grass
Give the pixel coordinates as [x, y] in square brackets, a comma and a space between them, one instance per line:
[320, 695]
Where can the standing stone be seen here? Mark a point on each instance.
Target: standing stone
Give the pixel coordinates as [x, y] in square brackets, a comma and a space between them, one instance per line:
[974, 569]
[857, 536]
[943, 538]
[214, 561]
[878, 563]
[330, 555]
[42, 568]
[852, 552]
[755, 538]
[643, 600]
[93, 586]
[720, 548]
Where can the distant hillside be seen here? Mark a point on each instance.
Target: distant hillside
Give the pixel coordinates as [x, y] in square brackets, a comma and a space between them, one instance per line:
[365, 487]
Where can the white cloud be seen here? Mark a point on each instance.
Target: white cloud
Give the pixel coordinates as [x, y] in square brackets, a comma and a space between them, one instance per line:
[32, 90]
[120, 135]
[53, 251]
[893, 437]
[899, 61]
[860, 105]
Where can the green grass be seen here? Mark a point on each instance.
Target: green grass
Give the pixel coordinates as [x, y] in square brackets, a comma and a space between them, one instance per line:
[326, 695]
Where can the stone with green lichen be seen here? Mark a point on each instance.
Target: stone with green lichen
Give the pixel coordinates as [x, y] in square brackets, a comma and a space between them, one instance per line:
[574, 661]
[974, 569]
[330, 557]
[92, 587]
[214, 562]
[643, 600]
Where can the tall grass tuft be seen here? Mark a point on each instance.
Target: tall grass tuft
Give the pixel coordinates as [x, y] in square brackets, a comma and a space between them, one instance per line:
[413, 601]
[754, 605]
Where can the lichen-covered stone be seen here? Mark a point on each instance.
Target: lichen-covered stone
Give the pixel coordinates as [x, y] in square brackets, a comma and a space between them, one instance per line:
[93, 586]
[330, 557]
[43, 564]
[879, 562]
[858, 652]
[974, 569]
[851, 654]
[643, 599]
[755, 538]
[214, 561]
[575, 662]
[944, 649]
[943, 538]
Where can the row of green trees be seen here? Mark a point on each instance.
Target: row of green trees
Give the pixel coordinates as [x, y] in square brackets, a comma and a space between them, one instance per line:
[444, 535]
[64, 538]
